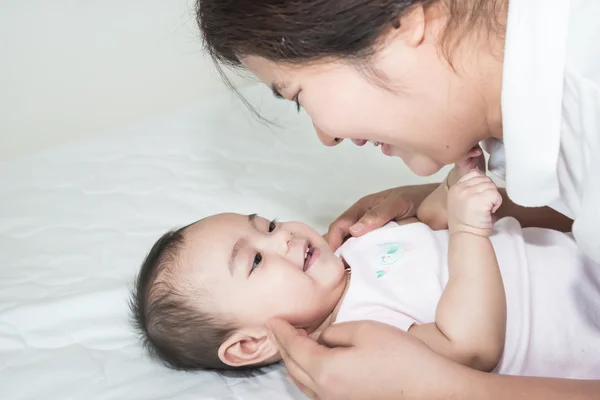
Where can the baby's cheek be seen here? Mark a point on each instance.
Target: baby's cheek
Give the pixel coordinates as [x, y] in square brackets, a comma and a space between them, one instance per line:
[300, 307]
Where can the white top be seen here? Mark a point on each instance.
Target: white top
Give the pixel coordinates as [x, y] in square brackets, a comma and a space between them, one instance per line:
[553, 301]
[551, 112]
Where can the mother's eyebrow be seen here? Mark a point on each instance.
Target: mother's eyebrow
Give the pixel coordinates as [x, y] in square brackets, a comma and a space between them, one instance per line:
[239, 244]
[277, 88]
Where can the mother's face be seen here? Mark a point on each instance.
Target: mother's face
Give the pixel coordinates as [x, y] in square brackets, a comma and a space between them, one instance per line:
[408, 98]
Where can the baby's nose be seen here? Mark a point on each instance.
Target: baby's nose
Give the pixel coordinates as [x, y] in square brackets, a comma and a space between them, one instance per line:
[285, 240]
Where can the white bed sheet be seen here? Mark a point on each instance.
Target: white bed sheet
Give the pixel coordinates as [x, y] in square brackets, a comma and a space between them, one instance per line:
[77, 220]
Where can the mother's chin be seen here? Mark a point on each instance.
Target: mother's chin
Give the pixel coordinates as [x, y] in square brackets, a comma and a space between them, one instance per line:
[421, 166]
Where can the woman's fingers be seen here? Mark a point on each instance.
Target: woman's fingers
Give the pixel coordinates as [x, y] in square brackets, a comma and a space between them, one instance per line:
[303, 388]
[299, 353]
[370, 213]
[339, 335]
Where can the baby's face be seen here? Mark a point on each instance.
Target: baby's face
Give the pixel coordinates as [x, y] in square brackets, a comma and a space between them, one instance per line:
[256, 269]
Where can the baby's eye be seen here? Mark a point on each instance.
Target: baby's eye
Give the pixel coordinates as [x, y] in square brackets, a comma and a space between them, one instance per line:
[257, 260]
[272, 225]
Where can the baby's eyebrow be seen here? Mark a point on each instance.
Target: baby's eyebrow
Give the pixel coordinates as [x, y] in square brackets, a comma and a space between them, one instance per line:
[252, 220]
[239, 244]
[234, 253]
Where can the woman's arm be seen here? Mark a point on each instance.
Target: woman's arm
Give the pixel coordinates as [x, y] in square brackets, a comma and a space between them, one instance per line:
[540, 217]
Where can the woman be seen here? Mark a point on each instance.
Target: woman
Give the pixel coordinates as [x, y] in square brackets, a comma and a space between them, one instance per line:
[429, 80]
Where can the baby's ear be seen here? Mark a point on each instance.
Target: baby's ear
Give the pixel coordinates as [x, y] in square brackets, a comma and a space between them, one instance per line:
[248, 347]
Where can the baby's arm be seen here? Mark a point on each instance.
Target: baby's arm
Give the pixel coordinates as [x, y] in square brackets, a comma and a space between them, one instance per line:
[433, 210]
[471, 315]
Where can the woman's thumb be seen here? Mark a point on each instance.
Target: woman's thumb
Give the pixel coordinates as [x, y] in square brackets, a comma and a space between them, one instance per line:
[339, 335]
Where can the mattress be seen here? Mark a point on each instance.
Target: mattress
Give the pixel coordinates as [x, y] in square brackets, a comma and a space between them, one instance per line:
[77, 220]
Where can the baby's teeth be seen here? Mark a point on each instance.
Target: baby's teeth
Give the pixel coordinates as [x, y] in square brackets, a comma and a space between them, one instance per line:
[307, 252]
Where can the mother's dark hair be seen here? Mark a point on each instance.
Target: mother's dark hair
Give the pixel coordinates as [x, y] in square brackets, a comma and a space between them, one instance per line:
[299, 31]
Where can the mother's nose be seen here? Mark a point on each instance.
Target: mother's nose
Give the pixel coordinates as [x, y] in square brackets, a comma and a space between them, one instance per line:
[325, 138]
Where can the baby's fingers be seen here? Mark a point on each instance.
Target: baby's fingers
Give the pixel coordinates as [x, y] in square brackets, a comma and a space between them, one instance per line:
[471, 175]
[496, 200]
[489, 198]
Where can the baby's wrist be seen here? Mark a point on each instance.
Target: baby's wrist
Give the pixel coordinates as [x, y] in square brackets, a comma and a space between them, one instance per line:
[460, 228]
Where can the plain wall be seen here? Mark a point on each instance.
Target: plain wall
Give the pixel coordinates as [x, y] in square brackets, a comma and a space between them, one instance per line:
[74, 68]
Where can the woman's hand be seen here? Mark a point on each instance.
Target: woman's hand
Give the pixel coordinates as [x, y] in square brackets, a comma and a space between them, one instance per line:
[366, 360]
[375, 210]
[371, 360]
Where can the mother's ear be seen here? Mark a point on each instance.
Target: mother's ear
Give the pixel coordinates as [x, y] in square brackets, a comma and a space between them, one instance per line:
[411, 26]
[248, 346]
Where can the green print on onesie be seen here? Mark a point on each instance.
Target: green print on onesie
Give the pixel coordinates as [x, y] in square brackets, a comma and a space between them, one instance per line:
[391, 253]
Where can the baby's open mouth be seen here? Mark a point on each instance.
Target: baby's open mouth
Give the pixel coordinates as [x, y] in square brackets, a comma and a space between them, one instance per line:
[307, 257]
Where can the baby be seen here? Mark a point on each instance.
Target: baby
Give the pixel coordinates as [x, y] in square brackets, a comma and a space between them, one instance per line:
[493, 297]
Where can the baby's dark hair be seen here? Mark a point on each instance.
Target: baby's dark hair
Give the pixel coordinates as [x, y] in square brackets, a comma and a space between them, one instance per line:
[174, 330]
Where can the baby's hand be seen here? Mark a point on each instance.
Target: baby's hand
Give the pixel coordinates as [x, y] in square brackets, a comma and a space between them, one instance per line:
[471, 203]
[473, 160]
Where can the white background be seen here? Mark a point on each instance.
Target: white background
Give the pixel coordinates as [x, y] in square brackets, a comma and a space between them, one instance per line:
[70, 69]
